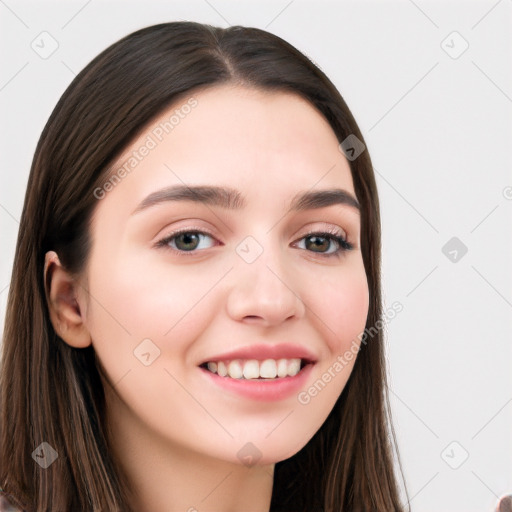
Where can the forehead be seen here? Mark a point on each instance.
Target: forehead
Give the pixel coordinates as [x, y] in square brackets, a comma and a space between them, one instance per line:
[264, 143]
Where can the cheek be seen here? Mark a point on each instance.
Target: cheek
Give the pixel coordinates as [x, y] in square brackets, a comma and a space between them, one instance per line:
[340, 304]
[132, 303]
[338, 310]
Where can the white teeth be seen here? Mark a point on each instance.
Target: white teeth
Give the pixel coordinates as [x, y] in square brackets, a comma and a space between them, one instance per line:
[221, 369]
[282, 368]
[294, 367]
[235, 370]
[253, 369]
[268, 369]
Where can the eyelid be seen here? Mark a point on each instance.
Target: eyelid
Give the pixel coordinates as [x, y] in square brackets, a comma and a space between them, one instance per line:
[327, 228]
[186, 229]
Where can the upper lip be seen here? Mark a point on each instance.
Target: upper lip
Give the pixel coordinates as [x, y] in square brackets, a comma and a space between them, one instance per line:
[262, 352]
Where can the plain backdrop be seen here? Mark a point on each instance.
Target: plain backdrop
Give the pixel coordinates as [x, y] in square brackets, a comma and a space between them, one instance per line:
[430, 85]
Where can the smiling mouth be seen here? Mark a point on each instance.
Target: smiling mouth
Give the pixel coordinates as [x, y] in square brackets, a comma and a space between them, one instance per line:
[253, 369]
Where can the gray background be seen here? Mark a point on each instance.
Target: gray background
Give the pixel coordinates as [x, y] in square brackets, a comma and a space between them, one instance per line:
[437, 122]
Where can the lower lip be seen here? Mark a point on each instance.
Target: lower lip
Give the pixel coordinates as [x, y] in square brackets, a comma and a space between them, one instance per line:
[263, 390]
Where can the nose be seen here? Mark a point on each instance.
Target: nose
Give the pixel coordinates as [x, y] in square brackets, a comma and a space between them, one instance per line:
[263, 292]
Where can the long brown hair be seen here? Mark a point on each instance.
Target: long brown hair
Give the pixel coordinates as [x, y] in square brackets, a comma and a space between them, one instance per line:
[51, 392]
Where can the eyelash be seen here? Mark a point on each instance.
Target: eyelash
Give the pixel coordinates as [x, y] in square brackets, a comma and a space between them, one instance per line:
[330, 233]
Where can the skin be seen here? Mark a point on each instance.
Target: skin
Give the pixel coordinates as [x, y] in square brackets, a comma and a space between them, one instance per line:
[177, 438]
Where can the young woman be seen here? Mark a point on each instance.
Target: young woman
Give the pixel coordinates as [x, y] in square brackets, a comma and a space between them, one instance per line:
[194, 320]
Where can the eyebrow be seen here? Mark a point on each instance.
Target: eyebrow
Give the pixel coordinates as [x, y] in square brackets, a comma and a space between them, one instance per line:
[231, 199]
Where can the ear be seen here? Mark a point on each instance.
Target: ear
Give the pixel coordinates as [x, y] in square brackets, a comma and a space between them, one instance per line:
[62, 296]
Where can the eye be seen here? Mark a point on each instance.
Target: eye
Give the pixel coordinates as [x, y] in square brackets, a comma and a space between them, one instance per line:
[185, 240]
[332, 240]
[327, 243]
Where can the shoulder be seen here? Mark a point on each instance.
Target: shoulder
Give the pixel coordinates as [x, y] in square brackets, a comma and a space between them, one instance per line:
[5, 505]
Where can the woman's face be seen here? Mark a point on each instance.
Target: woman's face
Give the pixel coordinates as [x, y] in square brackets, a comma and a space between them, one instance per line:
[245, 274]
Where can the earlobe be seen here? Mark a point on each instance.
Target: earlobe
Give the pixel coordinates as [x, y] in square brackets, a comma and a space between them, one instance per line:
[61, 296]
